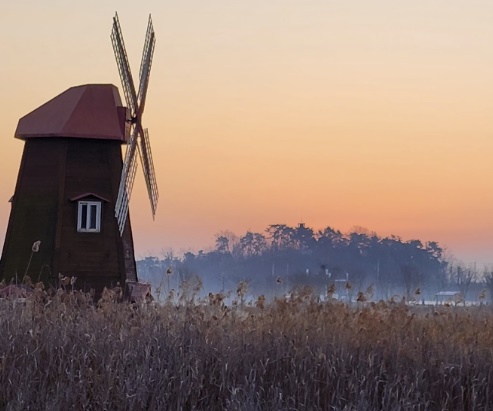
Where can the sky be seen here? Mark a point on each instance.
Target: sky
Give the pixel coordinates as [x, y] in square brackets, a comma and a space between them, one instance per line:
[332, 113]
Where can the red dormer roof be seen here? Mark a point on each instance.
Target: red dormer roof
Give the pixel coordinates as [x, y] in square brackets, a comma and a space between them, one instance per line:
[85, 195]
[89, 111]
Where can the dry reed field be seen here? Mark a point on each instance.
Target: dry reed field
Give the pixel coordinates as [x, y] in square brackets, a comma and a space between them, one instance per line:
[66, 353]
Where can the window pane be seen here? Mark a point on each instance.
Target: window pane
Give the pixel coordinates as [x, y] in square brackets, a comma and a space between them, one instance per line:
[83, 216]
[89, 216]
[93, 216]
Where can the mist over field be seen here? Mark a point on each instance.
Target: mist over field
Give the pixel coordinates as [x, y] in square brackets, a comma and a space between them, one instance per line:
[328, 262]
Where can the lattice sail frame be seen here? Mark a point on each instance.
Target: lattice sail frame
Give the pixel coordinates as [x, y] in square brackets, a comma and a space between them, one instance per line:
[139, 137]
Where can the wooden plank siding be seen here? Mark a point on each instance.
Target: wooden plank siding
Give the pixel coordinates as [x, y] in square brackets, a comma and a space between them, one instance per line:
[52, 172]
[33, 214]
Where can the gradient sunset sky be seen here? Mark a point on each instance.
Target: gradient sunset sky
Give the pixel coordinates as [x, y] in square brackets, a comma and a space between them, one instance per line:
[342, 113]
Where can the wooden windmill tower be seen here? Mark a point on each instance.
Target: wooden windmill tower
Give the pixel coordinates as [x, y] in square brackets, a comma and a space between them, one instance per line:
[73, 186]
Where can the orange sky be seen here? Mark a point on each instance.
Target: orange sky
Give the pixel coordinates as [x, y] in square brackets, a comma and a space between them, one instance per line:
[338, 113]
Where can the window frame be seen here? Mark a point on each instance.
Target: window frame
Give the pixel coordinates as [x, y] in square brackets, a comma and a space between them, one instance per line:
[87, 227]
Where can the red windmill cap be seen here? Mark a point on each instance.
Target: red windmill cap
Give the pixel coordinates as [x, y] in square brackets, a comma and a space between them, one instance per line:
[88, 111]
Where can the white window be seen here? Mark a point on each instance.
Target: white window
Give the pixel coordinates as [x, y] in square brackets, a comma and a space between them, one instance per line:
[89, 216]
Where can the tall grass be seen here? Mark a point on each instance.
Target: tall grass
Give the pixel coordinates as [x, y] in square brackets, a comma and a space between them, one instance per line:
[66, 353]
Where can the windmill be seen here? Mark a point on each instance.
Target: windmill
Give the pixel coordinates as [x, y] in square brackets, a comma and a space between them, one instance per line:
[139, 137]
[73, 186]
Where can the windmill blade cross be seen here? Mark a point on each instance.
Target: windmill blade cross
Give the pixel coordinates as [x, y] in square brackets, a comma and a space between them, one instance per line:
[139, 140]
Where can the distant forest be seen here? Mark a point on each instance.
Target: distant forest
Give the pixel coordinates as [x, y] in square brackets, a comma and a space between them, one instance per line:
[284, 258]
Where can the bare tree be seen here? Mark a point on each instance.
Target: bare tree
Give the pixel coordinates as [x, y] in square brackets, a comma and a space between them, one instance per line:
[488, 279]
[222, 244]
[462, 277]
[227, 242]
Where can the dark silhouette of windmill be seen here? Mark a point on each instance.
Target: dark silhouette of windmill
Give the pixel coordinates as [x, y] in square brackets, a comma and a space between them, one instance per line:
[73, 187]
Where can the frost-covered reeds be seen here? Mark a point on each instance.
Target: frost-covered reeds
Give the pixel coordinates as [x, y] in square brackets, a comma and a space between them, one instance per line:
[65, 352]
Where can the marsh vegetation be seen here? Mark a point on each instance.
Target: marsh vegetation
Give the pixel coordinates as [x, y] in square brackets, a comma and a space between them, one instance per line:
[66, 352]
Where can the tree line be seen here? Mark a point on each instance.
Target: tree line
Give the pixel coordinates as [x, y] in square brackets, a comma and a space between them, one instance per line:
[283, 257]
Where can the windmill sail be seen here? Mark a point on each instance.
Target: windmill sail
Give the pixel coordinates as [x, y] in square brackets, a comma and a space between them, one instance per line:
[148, 166]
[126, 182]
[123, 66]
[145, 65]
